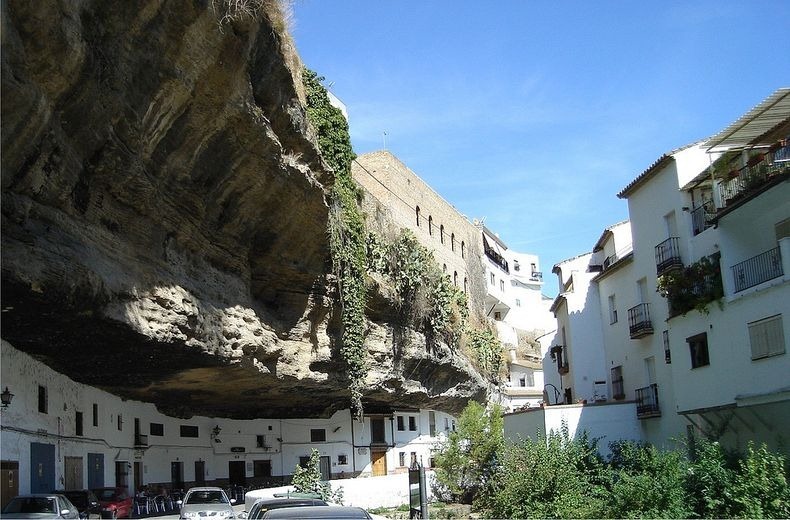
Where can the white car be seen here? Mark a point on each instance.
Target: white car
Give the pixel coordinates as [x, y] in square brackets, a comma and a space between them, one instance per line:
[206, 503]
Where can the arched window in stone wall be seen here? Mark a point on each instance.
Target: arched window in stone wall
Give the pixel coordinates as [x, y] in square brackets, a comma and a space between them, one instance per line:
[452, 242]
[418, 216]
[455, 278]
[430, 225]
[441, 233]
[463, 249]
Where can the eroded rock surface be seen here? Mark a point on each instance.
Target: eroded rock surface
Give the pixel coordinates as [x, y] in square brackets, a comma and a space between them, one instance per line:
[164, 217]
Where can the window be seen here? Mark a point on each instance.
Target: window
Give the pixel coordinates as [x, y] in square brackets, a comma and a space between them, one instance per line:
[304, 462]
[698, 348]
[767, 337]
[522, 381]
[618, 390]
[401, 426]
[432, 423]
[402, 458]
[455, 278]
[262, 468]
[417, 210]
[444, 268]
[156, 429]
[502, 285]
[463, 249]
[78, 424]
[452, 242]
[453, 424]
[441, 233]
[446, 424]
[516, 267]
[612, 310]
[317, 435]
[342, 460]
[412, 423]
[413, 459]
[43, 403]
[95, 414]
[518, 302]
[497, 315]
[189, 431]
[667, 353]
[260, 441]
[466, 284]
[120, 422]
[430, 225]
[493, 279]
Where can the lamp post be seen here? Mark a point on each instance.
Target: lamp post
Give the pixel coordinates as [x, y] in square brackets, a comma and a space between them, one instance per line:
[5, 397]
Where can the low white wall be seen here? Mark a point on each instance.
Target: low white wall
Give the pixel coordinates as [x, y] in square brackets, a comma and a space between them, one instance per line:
[365, 492]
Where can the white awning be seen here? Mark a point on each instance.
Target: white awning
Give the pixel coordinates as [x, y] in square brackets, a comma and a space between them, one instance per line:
[766, 118]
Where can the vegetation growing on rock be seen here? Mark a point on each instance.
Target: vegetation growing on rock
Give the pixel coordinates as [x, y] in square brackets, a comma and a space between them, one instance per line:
[346, 230]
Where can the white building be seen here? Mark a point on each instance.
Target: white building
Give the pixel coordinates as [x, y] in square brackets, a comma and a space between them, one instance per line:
[712, 235]
[520, 313]
[60, 434]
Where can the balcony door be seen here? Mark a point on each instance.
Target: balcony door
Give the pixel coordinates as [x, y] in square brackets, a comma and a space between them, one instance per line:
[641, 290]
[670, 224]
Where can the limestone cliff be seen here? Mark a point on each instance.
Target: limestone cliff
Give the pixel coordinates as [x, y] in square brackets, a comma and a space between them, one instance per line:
[164, 216]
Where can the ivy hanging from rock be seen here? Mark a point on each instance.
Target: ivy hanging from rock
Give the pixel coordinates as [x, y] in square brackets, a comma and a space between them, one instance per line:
[346, 230]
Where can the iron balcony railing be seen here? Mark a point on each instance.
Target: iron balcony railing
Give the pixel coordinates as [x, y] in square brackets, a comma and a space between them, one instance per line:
[668, 255]
[639, 324]
[758, 269]
[759, 170]
[495, 257]
[647, 401]
[702, 217]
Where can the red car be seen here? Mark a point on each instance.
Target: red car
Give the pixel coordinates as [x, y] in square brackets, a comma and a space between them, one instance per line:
[115, 502]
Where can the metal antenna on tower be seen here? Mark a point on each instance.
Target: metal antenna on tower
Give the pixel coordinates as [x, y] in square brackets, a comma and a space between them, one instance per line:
[384, 138]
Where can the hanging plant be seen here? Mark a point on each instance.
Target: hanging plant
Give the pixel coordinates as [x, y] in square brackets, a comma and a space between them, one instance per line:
[693, 287]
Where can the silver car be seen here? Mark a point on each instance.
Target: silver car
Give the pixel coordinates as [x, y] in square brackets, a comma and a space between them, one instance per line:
[206, 503]
[40, 506]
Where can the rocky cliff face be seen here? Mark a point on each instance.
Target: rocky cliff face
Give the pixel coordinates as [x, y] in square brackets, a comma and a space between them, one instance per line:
[164, 217]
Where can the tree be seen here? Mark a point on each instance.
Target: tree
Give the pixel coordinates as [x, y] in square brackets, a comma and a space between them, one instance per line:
[308, 480]
[465, 461]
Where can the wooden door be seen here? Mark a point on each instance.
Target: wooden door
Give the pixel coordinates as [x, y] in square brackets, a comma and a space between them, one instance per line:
[325, 466]
[379, 460]
[9, 481]
[72, 472]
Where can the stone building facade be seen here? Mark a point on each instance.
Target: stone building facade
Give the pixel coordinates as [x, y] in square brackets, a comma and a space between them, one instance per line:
[396, 196]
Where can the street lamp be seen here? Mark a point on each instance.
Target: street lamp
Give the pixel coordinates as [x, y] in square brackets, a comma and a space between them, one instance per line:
[5, 397]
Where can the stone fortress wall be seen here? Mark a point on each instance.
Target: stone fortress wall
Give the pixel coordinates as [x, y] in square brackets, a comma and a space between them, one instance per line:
[392, 188]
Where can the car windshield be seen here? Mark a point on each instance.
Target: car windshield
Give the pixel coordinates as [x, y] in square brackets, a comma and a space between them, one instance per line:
[31, 505]
[78, 499]
[206, 497]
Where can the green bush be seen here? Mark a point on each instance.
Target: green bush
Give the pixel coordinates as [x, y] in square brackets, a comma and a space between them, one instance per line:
[466, 460]
[308, 480]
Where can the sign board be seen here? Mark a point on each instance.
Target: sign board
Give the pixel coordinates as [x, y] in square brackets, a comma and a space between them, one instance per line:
[238, 449]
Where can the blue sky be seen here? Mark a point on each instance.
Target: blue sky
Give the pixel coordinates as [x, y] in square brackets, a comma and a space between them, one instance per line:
[534, 114]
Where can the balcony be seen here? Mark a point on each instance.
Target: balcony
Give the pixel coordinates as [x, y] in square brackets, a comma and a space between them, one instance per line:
[140, 441]
[702, 217]
[495, 257]
[761, 170]
[668, 256]
[639, 324]
[647, 402]
[536, 276]
[758, 269]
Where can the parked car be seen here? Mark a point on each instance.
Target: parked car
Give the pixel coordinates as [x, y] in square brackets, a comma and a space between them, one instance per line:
[206, 501]
[85, 500]
[40, 505]
[115, 502]
[316, 512]
[262, 505]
